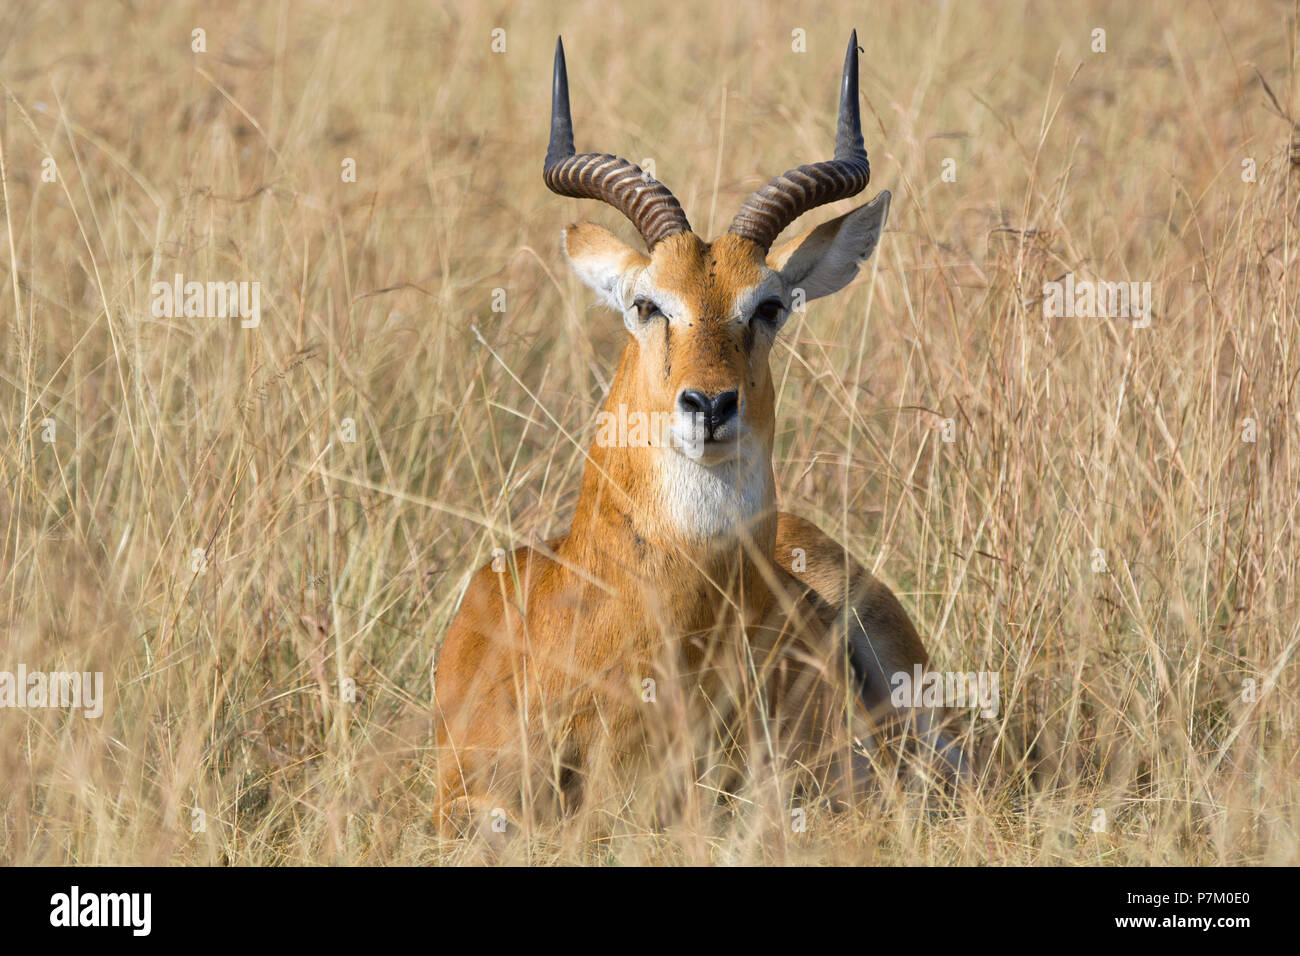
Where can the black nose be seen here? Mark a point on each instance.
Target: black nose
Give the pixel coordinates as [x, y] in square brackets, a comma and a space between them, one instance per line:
[715, 413]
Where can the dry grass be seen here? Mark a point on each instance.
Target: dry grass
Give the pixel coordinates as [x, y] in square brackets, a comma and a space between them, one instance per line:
[1122, 690]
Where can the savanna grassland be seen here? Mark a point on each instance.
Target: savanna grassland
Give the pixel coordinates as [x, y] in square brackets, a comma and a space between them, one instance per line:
[234, 523]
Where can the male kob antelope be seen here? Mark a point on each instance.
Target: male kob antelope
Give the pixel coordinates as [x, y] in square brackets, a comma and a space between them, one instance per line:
[685, 637]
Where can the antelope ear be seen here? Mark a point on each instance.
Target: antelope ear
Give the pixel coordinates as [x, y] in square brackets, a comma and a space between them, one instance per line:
[825, 259]
[603, 262]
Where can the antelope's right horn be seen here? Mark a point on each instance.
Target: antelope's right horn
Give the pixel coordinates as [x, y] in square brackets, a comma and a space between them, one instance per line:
[647, 203]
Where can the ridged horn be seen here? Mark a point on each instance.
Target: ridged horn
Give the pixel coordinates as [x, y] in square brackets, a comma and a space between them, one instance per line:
[647, 203]
[790, 195]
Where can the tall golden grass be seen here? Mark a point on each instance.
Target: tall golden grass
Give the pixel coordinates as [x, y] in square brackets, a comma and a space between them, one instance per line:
[1098, 533]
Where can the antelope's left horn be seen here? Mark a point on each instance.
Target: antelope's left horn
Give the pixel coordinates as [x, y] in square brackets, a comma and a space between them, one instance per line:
[790, 195]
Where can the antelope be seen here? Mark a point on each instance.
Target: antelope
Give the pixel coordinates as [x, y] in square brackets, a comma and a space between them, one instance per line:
[683, 624]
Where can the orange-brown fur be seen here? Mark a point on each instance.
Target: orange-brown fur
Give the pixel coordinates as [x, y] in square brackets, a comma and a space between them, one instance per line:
[539, 686]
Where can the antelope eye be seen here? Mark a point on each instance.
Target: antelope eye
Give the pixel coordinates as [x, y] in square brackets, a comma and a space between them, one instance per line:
[645, 309]
[769, 311]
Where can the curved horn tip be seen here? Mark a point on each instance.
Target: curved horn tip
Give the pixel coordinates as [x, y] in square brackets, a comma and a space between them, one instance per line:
[850, 79]
[848, 131]
[561, 139]
[851, 54]
[560, 73]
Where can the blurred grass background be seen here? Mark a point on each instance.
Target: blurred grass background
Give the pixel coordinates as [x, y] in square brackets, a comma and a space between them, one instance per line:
[1161, 690]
